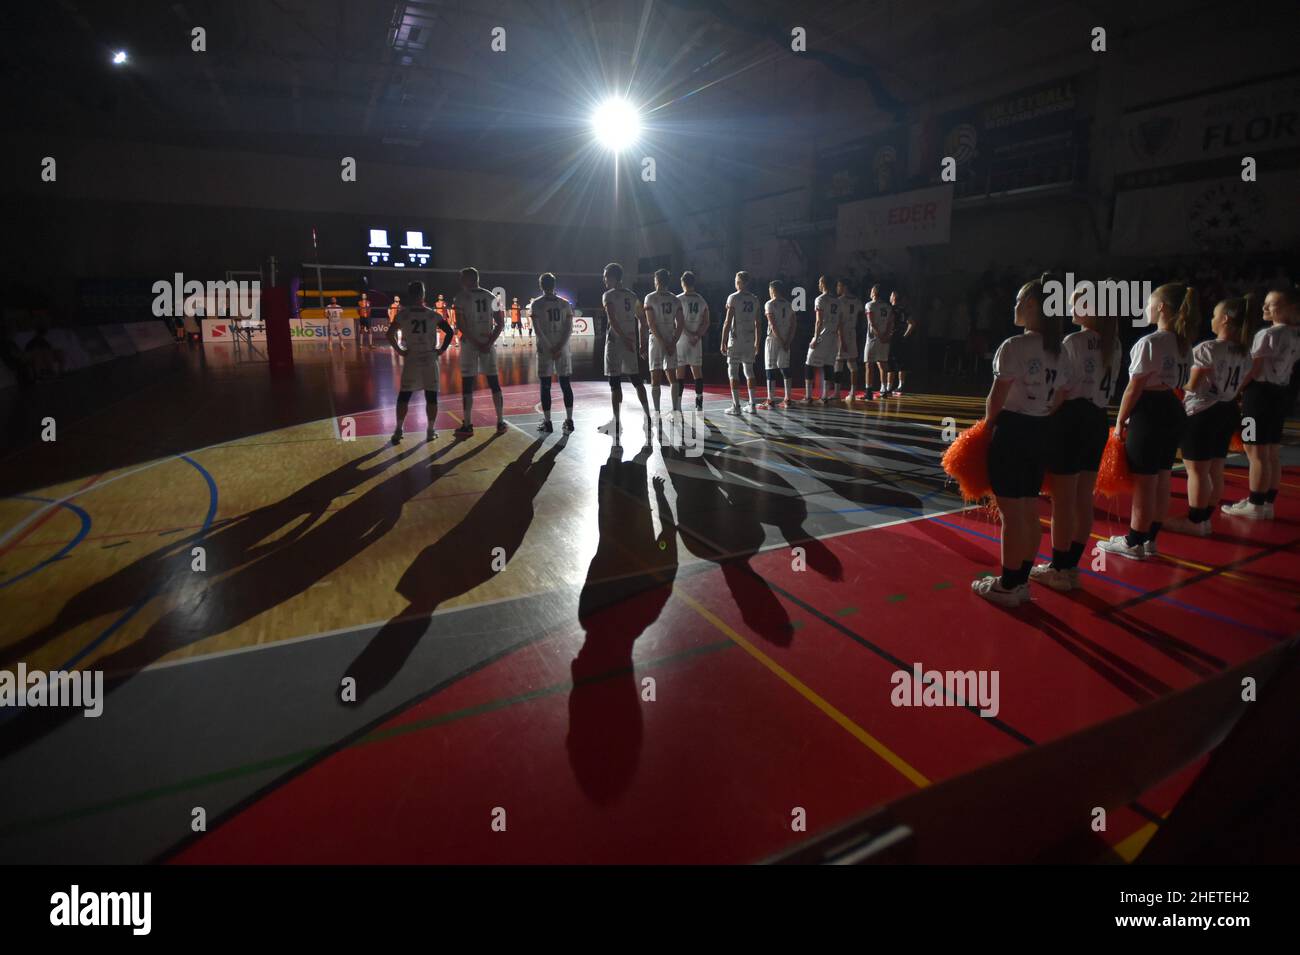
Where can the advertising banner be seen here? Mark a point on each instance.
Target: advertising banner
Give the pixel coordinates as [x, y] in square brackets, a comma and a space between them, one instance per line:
[920, 217]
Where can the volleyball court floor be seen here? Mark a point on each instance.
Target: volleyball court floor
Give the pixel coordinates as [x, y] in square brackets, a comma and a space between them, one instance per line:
[562, 652]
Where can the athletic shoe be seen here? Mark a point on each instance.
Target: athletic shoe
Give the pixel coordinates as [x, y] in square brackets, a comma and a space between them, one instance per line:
[1243, 508]
[1054, 577]
[699, 404]
[1119, 545]
[568, 425]
[397, 437]
[546, 426]
[1149, 548]
[431, 434]
[826, 401]
[501, 427]
[764, 406]
[1182, 525]
[733, 410]
[464, 431]
[991, 589]
[750, 408]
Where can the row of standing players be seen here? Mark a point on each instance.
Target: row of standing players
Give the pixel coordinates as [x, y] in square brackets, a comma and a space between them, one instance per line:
[1047, 411]
[673, 326]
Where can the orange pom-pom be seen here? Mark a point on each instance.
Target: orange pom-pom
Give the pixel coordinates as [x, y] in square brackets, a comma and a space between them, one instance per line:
[1235, 445]
[1113, 475]
[967, 461]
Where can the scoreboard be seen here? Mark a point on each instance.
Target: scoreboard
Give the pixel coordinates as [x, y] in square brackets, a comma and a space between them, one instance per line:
[397, 248]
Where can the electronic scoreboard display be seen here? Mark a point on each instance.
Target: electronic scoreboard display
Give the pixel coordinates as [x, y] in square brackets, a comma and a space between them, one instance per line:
[397, 248]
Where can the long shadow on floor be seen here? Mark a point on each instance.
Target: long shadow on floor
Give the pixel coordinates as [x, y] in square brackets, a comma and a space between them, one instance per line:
[473, 552]
[629, 581]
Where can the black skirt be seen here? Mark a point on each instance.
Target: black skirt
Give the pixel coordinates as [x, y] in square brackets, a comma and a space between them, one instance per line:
[1018, 454]
[1155, 428]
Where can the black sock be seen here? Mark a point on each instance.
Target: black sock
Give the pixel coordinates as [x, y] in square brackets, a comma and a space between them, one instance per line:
[1010, 579]
[1270, 495]
[1135, 538]
[1199, 515]
[1060, 559]
[1155, 529]
[1259, 497]
[699, 388]
[1076, 552]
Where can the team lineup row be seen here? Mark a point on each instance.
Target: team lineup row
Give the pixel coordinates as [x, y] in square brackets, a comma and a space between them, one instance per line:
[1046, 415]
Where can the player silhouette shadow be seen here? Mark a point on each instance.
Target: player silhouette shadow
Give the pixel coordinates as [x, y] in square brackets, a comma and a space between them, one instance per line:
[265, 572]
[721, 521]
[229, 543]
[460, 560]
[629, 581]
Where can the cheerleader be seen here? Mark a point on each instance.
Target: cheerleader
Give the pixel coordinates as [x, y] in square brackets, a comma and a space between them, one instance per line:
[1265, 400]
[1024, 393]
[1090, 362]
[1220, 369]
[826, 341]
[1151, 417]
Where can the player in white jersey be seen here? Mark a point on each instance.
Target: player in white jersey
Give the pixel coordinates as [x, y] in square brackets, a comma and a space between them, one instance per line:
[690, 347]
[1151, 418]
[880, 329]
[780, 333]
[664, 317]
[826, 340]
[334, 318]
[1090, 362]
[480, 319]
[1265, 402]
[740, 330]
[846, 362]
[551, 317]
[624, 345]
[1027, 390]
[1220, 368]
[419, 346]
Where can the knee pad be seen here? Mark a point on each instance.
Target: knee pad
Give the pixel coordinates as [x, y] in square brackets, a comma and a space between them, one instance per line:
[430, 397]
[494, 383]
[403, 396]
[616, 384]
[567, 389]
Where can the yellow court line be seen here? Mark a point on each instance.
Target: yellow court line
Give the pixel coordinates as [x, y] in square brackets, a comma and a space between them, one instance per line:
[905, 768]
[1130, 848]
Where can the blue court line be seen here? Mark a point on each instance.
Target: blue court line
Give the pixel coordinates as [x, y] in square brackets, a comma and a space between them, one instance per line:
[67, 548]
[1210, 614]
[153, 591]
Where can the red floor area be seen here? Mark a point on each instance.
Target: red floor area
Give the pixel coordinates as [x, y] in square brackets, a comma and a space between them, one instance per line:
[790, 708]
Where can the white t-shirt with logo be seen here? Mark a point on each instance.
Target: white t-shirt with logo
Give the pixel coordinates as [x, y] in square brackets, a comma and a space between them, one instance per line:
[1092, 375]
[1278, 345]
[1159, 356]
[474, 312]
[1226, 365]
[881, 314]
[1033, 371]
[744, 323]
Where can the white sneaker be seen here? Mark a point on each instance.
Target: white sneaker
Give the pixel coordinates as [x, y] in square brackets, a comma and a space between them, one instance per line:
[990, 588]
[1181, 525]
[1243, 508]
[1061, 581]
[749, 408]
[1149, 548]
[1119, 545]
[733, 410]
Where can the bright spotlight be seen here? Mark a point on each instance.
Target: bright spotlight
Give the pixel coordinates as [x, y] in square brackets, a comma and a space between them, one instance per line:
[119, 57]
[615, 124]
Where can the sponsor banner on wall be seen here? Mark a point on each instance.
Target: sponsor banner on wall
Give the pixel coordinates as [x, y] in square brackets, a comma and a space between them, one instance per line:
[1030, 138]
[318, 329]
[223, 330]
[1219, 215]
[920, 217]
[118, 340]
[583, 327]
[151, 334]
[1243, 121]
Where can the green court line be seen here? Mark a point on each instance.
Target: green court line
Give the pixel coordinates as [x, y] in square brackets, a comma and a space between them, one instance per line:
[941, 585]
[895, 598]
[846, 611]
[294, 758]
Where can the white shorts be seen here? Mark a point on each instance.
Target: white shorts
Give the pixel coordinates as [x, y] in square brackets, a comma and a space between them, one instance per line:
[336, 330]
[774, 356]
[690, 353]
[821, 355]
[877, 351]
[474, 362]
[736, 365]
[419, 373]
[848, 348]
[619, 359]
[659, 358]
[549, 367]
